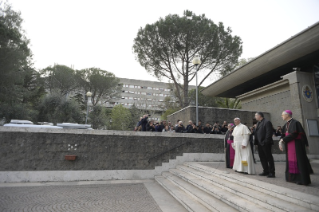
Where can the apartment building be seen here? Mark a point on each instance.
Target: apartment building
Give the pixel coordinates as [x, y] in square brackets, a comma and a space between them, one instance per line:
[146, 95]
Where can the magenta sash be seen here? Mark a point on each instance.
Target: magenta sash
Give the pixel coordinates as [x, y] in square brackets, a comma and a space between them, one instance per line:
[292, 157]
[231, 153]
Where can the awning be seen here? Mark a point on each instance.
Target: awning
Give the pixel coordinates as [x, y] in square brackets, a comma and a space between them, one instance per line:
[298, 51]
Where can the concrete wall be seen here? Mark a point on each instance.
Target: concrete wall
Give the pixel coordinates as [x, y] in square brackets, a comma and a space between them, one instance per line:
[25, 149]
[212, 114]
[303, 110]
[282, 95]
[273, 98]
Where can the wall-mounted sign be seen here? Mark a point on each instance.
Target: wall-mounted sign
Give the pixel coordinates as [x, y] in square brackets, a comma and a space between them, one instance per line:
[307, 93]
[312, 127]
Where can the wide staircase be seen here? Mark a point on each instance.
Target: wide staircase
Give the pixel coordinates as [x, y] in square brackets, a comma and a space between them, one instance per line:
[201, 188]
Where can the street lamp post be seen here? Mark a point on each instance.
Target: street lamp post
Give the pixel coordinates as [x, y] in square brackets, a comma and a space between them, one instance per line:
[88, 94]
[196, 62]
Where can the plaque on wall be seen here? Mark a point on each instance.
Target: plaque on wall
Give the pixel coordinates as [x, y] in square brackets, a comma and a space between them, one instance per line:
[312, 126]
[307, 93]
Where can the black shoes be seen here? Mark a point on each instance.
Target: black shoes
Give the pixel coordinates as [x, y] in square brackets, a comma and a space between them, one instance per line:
[271, 175]
[300, 183]
[264, 174]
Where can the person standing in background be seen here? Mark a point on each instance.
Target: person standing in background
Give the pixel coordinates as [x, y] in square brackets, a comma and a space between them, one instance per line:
[199, 127]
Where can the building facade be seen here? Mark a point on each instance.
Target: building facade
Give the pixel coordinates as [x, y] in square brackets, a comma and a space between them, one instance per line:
[285, 77]
[146, 95]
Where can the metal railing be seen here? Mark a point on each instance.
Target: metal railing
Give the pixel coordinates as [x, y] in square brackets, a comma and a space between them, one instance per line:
[167, 151]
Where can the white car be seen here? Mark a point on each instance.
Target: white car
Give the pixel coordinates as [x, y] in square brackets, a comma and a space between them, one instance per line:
[26, 123]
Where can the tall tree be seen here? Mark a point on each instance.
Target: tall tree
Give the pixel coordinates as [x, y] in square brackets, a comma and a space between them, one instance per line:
[167, 47]
[20, 86]
[55, 108]
[121, 118]
[60, 79]
[100, 117]
[168, 112]
[136, 113]
[203, 100]
[102, 84]
[229, 103]
[15, 54]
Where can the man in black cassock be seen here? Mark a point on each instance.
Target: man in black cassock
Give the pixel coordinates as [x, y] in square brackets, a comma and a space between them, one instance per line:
[298, 168]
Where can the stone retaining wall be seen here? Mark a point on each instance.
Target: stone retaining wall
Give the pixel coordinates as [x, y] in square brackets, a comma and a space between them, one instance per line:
[29, 149]
[212, 114]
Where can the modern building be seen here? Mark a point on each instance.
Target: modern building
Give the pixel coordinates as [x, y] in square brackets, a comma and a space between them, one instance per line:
[284, 77]
[146, 95]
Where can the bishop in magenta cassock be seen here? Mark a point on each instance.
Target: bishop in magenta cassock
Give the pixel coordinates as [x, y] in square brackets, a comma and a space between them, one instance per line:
[298, 168]
[229, 151]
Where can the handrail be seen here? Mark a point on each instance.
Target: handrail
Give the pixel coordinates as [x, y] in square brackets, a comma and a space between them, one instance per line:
[187, 143]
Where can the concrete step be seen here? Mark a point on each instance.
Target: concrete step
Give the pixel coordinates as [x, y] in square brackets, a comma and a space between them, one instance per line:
[186, 200]
[307, 201]
[236, 202]
[203, 197]
[249, 194]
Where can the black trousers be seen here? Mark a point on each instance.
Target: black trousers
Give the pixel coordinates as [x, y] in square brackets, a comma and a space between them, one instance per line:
[252, 150]
[266, 158]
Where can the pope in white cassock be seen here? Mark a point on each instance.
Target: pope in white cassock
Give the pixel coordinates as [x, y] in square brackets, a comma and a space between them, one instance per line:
[242, 148]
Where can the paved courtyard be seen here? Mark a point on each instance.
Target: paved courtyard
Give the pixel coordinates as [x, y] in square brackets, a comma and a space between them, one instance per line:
[112, 197]
[117, 195]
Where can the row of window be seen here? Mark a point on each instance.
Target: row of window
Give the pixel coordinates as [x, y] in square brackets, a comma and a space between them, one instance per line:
[138, 98]
[137, 105]
[146, 87]
[146, 93]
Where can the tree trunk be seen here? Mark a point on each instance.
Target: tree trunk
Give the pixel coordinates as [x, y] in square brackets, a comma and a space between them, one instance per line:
[185, 90]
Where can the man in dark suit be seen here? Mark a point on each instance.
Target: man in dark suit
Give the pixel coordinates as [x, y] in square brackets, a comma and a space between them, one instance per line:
[263, 138]
[189, 127]
[199, 127]
[207, 129]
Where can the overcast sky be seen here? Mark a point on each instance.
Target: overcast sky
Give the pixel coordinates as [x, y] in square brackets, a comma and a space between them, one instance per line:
[101, 33]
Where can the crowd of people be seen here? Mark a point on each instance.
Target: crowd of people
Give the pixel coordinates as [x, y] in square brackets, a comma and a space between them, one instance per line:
[144, 124]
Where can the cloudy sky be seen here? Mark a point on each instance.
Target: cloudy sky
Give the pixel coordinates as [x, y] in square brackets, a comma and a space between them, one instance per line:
[100, 33]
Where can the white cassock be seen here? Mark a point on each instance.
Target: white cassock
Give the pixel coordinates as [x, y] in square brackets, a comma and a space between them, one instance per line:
[241, 138]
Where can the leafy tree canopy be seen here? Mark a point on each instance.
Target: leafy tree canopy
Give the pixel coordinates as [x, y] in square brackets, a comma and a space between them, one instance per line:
[100, 83]
[100, 117]
[167, 47]
[203, 100]
[56, 109]
[121, 118]
[60, 79]
[20, 85]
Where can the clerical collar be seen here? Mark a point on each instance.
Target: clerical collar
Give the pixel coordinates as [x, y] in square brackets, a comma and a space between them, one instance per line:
[289, 120]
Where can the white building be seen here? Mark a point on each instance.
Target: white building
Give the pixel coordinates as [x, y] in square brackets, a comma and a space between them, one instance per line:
[146, 95]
